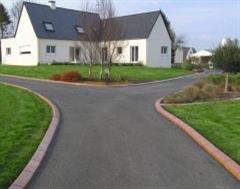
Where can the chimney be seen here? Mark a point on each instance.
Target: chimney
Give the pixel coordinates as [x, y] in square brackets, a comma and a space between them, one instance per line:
[52, 4]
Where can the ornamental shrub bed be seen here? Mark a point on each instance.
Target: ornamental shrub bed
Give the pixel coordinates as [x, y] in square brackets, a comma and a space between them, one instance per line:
[210, 88]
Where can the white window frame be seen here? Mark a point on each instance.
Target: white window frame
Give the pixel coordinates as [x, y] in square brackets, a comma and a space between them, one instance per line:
[52, 49]
[134, 53]
[8, 51]
[25, 50]
[164, 50]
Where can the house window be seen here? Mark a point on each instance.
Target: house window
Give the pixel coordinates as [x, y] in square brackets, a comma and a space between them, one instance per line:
[25, 49]
[48, 26]
[50, 49]
[8, 51]
[134, 53]
[119, 50]
[104, 54]
[79, 29]
[164, 50]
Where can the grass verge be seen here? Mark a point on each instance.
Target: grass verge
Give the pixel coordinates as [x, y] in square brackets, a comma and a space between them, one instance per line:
[23, 122]
[219, 122]
[130, 73]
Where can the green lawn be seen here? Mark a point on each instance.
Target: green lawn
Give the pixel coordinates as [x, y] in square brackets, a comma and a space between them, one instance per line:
[132, 73]
[24, 118]
[219, 122]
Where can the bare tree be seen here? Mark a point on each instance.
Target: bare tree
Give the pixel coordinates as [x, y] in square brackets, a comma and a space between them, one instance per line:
[111, 35]
[101, 38]
[90, 35]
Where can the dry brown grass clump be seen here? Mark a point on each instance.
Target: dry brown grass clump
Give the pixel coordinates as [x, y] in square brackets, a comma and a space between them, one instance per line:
[198, 92]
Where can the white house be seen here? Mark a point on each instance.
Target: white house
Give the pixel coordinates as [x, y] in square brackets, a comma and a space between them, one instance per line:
[47, 34]
[183, 54]
[202, 57]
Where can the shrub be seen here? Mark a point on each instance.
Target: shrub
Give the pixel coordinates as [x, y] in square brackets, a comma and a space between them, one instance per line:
[200, 84]
[187, 65]
[191, 93]
[227, 57]
[235, 79]
[71, 76]
[235, 82]
[200, 91]
[55, 77]
[174, 99]
[216, 79]
[177, 65]
[209, 91]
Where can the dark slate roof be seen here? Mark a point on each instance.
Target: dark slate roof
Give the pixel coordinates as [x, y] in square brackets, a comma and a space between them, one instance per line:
[64, 21]
[137, 26]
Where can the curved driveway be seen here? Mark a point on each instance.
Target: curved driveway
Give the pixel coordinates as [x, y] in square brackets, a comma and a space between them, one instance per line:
[112, 138]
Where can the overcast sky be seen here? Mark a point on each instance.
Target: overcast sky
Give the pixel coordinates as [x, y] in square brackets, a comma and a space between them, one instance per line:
[202, 22]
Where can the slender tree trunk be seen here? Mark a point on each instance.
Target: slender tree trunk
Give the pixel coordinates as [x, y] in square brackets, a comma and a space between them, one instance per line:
[109, 69]
[226, 83]
[90, 70]
[101, 70]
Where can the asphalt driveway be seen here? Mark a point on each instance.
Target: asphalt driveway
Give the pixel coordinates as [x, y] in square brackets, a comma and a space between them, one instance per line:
[112, 138]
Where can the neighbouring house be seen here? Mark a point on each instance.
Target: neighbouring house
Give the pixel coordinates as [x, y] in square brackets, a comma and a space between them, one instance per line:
[202, 57]
[184, 53]
[47, 34]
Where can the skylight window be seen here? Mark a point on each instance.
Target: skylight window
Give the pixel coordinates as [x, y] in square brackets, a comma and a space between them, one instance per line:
[79, 29]
[48, 26]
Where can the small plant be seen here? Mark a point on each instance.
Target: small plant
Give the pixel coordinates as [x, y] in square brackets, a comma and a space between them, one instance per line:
[56, 77]
[71, 76]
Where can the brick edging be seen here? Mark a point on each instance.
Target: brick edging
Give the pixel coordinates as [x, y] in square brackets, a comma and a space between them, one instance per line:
[26, 175]
[95, 85]
[230, 165]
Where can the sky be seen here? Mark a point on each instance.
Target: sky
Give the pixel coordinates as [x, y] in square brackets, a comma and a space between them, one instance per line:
[203, 23]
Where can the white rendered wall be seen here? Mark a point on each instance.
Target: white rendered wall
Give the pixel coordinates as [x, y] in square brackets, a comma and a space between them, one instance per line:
[126, 46]
[159, 37]
[62, 53]
[179, 56]
[25, 36]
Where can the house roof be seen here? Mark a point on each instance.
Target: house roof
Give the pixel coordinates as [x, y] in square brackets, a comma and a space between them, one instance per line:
[186, 50]
[202, 53]
[63, 20]
[138, 26]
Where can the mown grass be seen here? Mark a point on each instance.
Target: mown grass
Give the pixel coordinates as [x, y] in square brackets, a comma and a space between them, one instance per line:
[130, 73]
[24, 118]
[219, 122]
